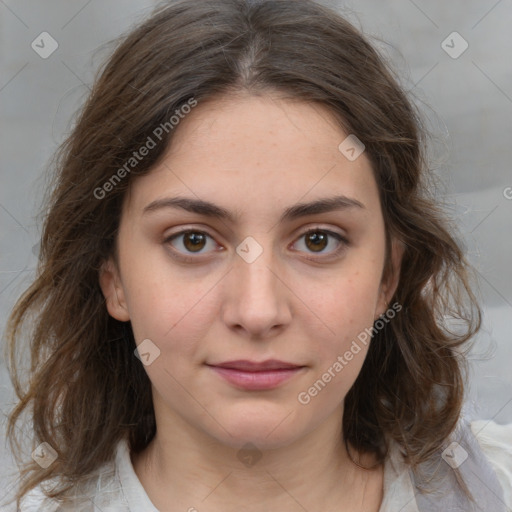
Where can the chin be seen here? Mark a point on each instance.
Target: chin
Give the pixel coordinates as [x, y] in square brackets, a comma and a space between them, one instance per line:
[266, 430]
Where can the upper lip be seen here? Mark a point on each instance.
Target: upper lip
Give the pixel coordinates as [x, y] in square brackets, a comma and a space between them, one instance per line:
[254, 366]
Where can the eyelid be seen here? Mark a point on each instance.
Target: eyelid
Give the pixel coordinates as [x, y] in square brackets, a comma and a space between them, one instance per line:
[341, 238]
[183, 256]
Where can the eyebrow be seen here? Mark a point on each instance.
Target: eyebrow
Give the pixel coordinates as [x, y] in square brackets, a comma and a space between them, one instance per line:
[296, 211]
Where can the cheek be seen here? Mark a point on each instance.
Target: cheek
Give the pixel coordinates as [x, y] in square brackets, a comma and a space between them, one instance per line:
[347, 304]
[171, 310]
[347, 307]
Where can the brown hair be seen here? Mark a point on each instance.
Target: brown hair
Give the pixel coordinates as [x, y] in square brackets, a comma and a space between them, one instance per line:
[86, 389]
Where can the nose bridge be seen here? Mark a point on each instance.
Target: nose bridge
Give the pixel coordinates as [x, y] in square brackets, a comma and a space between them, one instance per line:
[257, 302]
[255, 267]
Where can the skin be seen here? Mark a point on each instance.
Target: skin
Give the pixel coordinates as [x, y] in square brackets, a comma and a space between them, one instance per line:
[255, 156]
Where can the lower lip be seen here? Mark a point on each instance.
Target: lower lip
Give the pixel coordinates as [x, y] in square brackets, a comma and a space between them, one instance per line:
[256, 380]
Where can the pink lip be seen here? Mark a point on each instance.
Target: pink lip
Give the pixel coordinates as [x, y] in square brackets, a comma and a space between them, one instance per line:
[255, 376]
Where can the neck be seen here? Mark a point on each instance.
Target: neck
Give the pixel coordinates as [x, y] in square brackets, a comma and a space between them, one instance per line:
[189, 468]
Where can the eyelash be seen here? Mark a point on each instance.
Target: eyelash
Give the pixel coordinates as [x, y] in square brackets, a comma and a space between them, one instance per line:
[340, 238]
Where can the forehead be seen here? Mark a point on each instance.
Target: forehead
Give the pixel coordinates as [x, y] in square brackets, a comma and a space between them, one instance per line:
[251, 151]
[264, 123]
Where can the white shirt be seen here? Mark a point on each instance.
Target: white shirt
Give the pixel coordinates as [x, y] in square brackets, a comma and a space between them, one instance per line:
[116, 488]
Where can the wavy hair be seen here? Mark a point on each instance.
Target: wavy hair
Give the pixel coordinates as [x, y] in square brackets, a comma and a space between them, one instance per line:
[85, 390]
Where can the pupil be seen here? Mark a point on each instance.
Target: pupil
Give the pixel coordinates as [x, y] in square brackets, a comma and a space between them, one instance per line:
[316, 237]
[195, 239]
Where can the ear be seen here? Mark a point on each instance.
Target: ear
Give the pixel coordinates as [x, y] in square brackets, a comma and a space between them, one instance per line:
[390, 284]
[113, 291]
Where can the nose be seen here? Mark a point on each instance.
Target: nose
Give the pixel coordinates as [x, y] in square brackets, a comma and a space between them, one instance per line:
[256, 296]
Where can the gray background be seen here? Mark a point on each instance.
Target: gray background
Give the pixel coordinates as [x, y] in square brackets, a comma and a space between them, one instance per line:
[467, 101]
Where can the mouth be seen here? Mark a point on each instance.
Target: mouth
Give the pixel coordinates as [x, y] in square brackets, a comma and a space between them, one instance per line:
[251, 375]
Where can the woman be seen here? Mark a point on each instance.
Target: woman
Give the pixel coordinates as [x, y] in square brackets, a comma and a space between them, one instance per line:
[245, 285]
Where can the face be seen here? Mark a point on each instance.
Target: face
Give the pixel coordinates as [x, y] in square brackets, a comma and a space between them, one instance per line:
[255, 284]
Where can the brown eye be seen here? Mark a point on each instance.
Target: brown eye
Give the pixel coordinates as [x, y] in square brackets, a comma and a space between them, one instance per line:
[194, 241]
[316, 240]
[188, 242]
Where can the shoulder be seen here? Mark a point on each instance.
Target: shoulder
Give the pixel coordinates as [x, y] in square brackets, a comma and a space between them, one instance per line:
[101, 489]
[486, 467]
[36, 500]
[496, 443]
